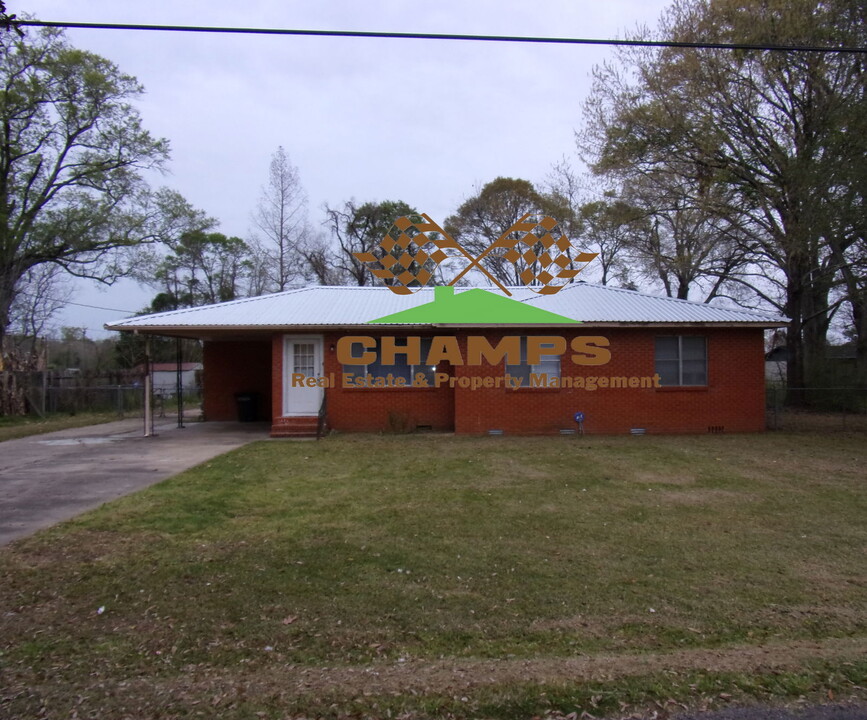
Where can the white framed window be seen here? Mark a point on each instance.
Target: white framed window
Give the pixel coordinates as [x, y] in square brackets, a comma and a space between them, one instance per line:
[548, 365]
[681, 360]
[400, 369]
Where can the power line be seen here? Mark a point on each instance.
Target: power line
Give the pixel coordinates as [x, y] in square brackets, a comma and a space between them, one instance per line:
[97, 307]
[69, 302]
[442, 36]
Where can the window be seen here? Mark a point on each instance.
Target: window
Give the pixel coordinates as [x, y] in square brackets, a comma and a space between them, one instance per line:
[400, 368]
[681, 360]
[304, 358]
[548, 365]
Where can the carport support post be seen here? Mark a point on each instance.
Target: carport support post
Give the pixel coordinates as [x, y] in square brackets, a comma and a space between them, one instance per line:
[179, 383]
[148, 412]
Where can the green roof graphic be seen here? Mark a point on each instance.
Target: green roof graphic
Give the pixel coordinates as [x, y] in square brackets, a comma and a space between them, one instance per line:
[473, 307]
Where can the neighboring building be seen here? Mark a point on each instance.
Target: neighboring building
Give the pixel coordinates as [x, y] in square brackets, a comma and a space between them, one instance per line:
[840, 367]
[628, 361]
[776, 366]
[165, 377]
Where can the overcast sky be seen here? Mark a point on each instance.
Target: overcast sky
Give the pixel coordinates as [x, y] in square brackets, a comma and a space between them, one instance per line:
[422, 121]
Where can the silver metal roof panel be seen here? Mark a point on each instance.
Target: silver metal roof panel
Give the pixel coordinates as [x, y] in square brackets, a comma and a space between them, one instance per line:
[322, 306]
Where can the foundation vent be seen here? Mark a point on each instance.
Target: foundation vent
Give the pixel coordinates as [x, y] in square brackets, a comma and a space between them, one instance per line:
[716, 429]
[567, 431]
[495, 432]
[637, 431]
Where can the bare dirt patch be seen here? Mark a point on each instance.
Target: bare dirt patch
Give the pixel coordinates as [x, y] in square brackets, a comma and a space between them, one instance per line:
[828, 576]
[506, 470]
[664, 478]
[450, 677]
[797, 616]
[702, 496]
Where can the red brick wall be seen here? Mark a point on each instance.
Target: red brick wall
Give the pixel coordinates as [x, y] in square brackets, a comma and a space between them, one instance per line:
[276, 376]
[733, 399]
[372, 410]
[234, 367]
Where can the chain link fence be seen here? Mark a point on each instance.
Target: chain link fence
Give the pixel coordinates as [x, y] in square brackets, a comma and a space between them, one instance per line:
[817, 409]
[50, 392]
[46, 393]
[125, 400]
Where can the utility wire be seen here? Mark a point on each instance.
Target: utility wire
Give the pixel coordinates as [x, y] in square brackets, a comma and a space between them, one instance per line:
[443, 36]
[97, 307]
[69, 302]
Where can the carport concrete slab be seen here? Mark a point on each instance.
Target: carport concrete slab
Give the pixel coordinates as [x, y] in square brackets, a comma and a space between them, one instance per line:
[52, 477]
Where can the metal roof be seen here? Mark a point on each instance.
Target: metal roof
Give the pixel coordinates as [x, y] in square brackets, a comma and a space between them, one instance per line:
[593, 303]
[322, 306]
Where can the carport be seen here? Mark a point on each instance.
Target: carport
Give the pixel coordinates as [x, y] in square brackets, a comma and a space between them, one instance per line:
[236, 376]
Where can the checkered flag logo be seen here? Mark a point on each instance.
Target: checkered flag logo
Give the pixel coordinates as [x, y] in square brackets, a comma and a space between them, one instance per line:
[549, 262]
[410, 253]
[414, 247]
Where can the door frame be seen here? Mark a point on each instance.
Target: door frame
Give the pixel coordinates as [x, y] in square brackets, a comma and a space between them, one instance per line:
[288, 367]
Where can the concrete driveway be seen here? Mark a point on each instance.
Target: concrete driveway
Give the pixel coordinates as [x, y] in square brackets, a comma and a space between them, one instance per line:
[48, 478]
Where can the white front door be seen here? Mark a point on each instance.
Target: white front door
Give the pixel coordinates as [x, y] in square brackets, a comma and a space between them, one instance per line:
[302, 359]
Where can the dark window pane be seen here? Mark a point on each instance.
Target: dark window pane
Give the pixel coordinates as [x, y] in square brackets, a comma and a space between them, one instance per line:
[519, 371]
[668, 371]
[550, 365]
[667, 348]
[694, 360]
[427, 371]
[398, 370]
[693, 348]
[694, 372]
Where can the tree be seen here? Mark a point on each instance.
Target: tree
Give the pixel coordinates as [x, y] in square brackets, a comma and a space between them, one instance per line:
[203, 268]
[848, 244]
[564, 185]
[611, 227]
[779, 134]
[681, 238]
[71, 152]
[360, 228]
[42, 293]
[282, 217]
[73, 349]
[605, 224]
[319, 261]
[487, 216]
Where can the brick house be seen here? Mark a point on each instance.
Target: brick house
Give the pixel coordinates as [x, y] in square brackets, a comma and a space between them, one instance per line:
[626, 361]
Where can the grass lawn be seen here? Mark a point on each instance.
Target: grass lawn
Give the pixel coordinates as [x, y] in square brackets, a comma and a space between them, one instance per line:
[14, 426]
[431, 576]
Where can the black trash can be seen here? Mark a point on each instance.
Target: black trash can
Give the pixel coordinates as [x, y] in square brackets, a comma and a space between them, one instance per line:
[248, 406]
